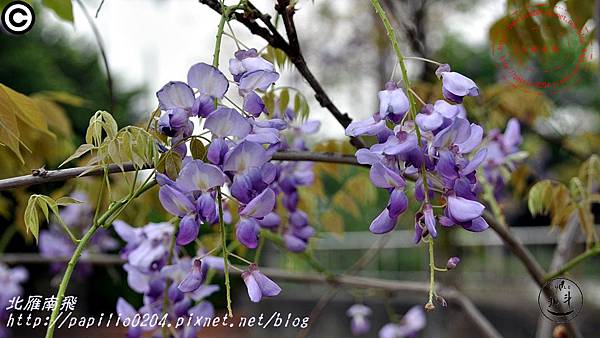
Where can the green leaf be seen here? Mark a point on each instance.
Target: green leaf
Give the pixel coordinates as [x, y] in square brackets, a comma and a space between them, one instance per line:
[32, 222]
[84, 148]
[66, 200]
[62, 8]
[172, 164]
[198, 149]
[9, 136]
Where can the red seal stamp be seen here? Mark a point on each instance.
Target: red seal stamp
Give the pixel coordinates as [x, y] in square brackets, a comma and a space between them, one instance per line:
[550, 50]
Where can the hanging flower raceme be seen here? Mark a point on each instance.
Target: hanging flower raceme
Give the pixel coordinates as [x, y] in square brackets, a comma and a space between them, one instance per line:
[441, 148]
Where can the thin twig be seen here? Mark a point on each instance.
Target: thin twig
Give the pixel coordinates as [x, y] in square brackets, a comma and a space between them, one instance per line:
[292, 49]
[65, 174]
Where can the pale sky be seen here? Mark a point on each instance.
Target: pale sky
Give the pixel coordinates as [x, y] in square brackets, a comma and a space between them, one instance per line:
[152, 42]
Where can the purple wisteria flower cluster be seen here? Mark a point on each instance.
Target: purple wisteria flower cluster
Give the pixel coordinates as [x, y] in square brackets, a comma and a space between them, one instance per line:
[503, 155]
[182, 282]
[237, 163]
[438, 146]
[54, 242]
[11, 280]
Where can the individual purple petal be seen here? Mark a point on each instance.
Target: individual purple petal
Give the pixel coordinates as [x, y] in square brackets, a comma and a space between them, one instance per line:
[252, 286]
[175, 94]
[477, 225]
[257, 80]
[383, 177]
[203, 106]
[512, 135]
[464, 210]
[365, 127]
[398, 203]
[137, 281]
[429, 121]
[474, 162]
[261, 205]
[188, 230]
[263, 136]
[392, 100]
[208, 80]
[443, 68]
[366, 156]
[268, 172]
[244, 156]
[227, 122]
[455, 86]
[247, 231]
[293, 243]
[270, 221]
[174, 122]
[298, 218]
[418, 233]
[429, 218]
[174, 201]
[458, 132]
[199, 176]
[475, 137]
[446, 109]
[256, 63]
[195, 278]
[127, 232]
[401, 143]
[446, 165]
[206, 207]
[241, 188]
[268, 288]
[383, 223]
[253, 104]
[217, 150]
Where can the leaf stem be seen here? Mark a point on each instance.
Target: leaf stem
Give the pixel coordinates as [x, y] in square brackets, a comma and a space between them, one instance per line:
[429, 305]
[411, 97]
[595, 250]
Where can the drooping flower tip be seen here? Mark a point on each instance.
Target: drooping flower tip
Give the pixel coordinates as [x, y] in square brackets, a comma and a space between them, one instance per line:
[259, 285]
[359, 323]
[452, 262]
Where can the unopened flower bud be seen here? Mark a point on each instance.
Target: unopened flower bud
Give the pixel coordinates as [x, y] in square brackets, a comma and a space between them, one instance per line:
[452, 262]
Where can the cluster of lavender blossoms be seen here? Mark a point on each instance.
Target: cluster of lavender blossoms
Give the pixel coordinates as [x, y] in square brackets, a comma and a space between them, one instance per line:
[237, 160]
[54, 242]
[410, 325]
[182, 282]
[440, 147]
[11, 280]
